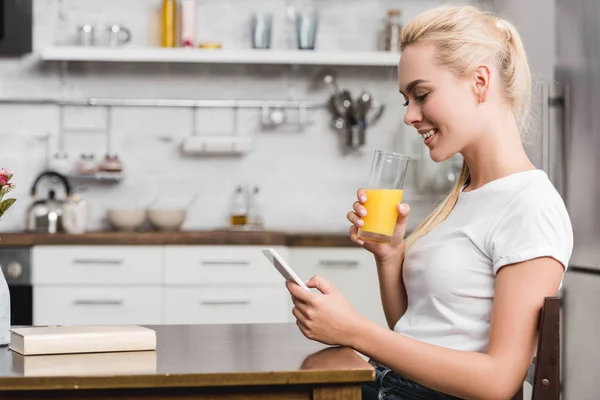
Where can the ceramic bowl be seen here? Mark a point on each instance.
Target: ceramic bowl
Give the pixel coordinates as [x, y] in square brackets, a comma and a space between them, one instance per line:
[165, 219]
[126, 219]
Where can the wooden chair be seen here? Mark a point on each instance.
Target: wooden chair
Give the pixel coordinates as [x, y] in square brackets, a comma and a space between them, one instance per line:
[545, 375]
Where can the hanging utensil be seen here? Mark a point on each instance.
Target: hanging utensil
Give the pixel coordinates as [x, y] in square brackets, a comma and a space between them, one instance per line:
[363, 105]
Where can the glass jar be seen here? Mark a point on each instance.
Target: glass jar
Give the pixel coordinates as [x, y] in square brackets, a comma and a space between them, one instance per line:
[392, 31]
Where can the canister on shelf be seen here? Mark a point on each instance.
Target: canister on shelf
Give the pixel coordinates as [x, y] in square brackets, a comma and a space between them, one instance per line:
[168, 15]
[392, 31]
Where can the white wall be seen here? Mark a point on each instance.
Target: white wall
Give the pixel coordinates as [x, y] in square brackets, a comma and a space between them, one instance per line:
[307, 183]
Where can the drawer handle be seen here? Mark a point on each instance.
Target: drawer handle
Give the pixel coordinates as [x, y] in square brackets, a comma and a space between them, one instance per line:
[225, 262]
[97, 261]
[98, 302]
[339, 263]
[225, 301]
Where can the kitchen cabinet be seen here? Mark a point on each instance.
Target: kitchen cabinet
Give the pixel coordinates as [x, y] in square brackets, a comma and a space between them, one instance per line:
[97, 285]
[188, 284]
[223, 284]
[227, 305]
[351, 270]
[97, 265]
[97, 305]
[103, 284]
[220, 265]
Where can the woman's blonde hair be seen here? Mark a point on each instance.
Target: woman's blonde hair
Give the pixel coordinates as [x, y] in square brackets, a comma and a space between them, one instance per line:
[464, 38]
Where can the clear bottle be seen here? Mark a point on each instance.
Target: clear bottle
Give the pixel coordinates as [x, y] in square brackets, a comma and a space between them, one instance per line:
[392, 31]
[255, 210]
[238, 215]
[187, 23]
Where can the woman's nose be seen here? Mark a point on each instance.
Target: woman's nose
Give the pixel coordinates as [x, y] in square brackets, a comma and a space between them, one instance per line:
[413, 115]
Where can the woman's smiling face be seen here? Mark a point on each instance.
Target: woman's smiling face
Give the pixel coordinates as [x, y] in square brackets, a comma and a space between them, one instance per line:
[442, 106]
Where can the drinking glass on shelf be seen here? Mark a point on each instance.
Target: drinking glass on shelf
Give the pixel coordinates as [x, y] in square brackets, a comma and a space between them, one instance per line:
[262, 24]
[384, 193]
[306, 29]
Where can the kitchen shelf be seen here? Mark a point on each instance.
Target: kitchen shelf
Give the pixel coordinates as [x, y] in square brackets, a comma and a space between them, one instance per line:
[108, 177]
[210, 56]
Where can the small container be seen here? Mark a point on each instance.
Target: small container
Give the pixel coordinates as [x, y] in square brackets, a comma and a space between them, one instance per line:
[238, 214]
[111, 163]
[255, 210]
[86, 165]
[117, 35]
[188, 23]
[392, 31]
[86, 35]
[169, 25]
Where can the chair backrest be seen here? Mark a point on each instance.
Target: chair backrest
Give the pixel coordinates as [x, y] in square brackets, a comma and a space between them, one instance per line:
[546, 373]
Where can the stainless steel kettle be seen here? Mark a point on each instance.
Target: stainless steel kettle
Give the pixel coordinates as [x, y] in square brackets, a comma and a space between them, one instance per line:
[46, 215]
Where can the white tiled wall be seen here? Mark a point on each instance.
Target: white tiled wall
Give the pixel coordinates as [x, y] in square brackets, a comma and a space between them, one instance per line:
[306, 181]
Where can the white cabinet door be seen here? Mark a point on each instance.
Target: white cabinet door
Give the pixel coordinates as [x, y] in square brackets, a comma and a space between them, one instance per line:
[90, 305]
[351, 270]
[97, 265]
[220, 265]
[227, 305]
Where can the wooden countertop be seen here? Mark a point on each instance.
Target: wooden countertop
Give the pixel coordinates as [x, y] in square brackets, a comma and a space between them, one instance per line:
[213, 237]
[193, 356]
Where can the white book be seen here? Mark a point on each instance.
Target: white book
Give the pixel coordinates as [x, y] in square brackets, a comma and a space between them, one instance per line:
[69, 339]
[90, 364]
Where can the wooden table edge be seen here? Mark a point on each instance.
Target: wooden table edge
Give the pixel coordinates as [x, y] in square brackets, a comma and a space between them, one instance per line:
[308, 377]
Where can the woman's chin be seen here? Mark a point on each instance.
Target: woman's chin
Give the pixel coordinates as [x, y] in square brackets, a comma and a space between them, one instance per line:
[439, 155]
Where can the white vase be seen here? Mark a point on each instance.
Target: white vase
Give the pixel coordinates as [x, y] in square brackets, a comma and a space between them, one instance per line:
[4, 311]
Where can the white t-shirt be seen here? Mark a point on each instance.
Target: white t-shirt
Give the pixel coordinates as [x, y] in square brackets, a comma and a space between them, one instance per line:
[450, 273]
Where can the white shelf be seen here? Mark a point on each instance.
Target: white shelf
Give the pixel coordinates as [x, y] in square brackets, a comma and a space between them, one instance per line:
[189, 55]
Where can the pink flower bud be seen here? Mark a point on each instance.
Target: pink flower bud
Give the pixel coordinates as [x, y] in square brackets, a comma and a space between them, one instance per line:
[7, 173]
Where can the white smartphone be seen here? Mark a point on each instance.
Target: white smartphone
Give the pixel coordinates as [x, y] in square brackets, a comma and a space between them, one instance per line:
[285, 270]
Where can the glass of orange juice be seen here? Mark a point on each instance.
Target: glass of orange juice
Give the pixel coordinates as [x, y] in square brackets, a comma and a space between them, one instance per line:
[384, 193]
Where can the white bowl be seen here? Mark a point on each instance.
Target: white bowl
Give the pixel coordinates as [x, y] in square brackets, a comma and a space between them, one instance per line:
[167, 219]
[126, 219]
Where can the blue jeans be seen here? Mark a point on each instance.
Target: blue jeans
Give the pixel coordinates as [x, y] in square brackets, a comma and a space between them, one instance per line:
[390, 386]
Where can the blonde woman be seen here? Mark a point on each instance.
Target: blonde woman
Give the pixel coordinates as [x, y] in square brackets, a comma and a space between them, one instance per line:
[462, 294]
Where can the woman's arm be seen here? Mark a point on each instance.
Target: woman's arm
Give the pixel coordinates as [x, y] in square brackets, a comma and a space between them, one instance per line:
[497, 373]
[391, 288]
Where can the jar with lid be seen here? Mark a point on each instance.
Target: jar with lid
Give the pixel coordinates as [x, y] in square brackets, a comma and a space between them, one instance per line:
[392, 31]
[238, 213]
[86, 165]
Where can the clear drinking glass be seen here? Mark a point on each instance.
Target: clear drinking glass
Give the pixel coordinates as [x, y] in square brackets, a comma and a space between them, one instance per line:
[384, 193]
[261, 30]
[306, 29]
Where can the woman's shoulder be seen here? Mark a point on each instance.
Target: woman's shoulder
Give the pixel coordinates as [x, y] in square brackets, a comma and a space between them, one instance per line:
[539, 193]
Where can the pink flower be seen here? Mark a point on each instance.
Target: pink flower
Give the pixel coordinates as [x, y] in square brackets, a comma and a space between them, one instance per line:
[3, 180]
[6, 173]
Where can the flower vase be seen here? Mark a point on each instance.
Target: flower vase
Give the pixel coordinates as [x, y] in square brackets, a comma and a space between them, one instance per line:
[4, 311]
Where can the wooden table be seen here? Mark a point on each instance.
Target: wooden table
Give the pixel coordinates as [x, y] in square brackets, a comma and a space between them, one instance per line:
[255, 361]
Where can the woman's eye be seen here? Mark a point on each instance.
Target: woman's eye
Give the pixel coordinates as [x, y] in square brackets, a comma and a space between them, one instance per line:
[405, 104]
[421, 98]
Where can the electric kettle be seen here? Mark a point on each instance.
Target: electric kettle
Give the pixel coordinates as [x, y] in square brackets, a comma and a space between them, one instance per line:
[46, 215]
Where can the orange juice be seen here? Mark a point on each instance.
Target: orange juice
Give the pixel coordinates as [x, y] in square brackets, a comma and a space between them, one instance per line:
[381, 211]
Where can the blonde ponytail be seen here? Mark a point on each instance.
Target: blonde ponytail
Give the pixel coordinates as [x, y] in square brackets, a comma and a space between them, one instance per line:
[466, 37]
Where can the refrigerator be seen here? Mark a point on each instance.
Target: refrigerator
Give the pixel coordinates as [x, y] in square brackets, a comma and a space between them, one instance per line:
[571, 156]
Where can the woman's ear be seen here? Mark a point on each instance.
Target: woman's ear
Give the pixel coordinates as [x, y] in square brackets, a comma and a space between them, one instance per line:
[482, 77]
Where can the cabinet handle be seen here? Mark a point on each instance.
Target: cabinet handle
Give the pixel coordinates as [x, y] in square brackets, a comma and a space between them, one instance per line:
[339, 263]
[98, 302]
[225, 262]
[225, 301]
[97, 261]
